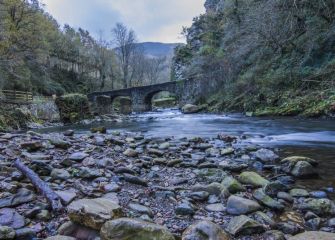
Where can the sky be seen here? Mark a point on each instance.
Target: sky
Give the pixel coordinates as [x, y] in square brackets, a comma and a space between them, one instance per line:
[152, 20]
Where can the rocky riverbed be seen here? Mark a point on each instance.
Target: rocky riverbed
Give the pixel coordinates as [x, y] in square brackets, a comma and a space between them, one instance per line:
[124, 185]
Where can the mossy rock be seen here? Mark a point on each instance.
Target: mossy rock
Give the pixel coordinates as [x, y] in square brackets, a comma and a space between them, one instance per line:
[73, 108]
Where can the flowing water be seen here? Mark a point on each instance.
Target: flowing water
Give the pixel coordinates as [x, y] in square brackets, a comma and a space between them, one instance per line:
[292, 136]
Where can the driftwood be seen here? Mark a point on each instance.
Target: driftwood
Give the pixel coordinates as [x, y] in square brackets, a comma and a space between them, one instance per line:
[41, 186]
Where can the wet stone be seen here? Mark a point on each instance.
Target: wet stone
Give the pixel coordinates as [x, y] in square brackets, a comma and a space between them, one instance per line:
[237, 205]
[199, 196]
[217, 207]
[243, 225]
[78, 156]
[205, 230]
[10, 218]
[23, 196]
[185, 208]
[135, 180]
[94, 213]
[141, 209]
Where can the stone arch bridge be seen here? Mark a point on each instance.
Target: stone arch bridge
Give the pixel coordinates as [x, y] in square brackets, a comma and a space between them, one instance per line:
[188, 91]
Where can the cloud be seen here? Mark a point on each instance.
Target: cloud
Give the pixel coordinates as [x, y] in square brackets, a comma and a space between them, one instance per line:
[152, 20]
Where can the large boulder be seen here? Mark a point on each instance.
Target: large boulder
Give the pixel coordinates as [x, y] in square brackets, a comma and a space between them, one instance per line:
[314, 236]
[243, 225]
[301, 167]
[94, 213]
[190, 108]
[73, 108]
[238, 205]
[253, 179]
[126, 229]
[205, 230]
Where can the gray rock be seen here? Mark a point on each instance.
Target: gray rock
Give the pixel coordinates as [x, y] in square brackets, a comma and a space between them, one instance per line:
[112, 187]
[25, 234]
[227, 151]
[66, 196]
[303, 169]
[216, 207]
[267, 200]
[213, 188]
[266, 155]
[130, 153]
[264, 219]
[232, 185]
[285, 196]
[89, 173]
[274, 235]
[297, 192]
[78, 156]
[10, 218]
[189, 109]
[314, 236]
[32, 146]
[135, 180]
[237, 205]
[93, 213]
[141, 209]
[126, 229]
[243, 225]
[253, 179]
[205, 230]
[185, 208]
[23, 196]
[211, 175]
[232, 166]
[199, 196]
[289, 228]
[60, 237]
[60, 143]
[273, 188]
[60, 174]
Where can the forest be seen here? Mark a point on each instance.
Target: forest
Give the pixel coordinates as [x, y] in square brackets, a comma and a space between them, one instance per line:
[39, 55]
[269, 57]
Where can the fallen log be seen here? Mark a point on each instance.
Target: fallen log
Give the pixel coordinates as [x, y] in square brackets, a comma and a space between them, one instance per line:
[41, 186]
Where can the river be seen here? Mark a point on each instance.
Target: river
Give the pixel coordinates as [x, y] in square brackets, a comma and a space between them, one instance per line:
[313, 138]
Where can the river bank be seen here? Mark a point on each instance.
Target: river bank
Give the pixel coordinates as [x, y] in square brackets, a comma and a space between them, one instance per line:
[308, 104]
[242, 189]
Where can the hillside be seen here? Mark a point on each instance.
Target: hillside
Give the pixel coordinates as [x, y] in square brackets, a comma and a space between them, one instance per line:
[157, 49]
[267, 57]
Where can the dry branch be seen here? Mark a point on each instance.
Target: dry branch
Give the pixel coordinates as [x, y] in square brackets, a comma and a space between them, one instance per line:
[41, 186]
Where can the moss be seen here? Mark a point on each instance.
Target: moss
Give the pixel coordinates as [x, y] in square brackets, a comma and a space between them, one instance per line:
[73, 107]
[16, 118]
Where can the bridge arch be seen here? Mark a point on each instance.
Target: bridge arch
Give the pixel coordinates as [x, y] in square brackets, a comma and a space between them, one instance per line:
[149, 98]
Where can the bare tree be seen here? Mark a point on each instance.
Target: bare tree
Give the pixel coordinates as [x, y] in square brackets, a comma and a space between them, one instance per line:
[125, 40]
[154, 68]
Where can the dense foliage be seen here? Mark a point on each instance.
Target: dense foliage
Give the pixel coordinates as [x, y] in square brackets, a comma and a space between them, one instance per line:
[38, 55]
[263, 53]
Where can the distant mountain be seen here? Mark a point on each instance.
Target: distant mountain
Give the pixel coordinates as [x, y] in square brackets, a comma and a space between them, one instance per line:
[156, 49]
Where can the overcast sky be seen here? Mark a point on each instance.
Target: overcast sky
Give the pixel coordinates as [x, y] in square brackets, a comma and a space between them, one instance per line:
[152, 20]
